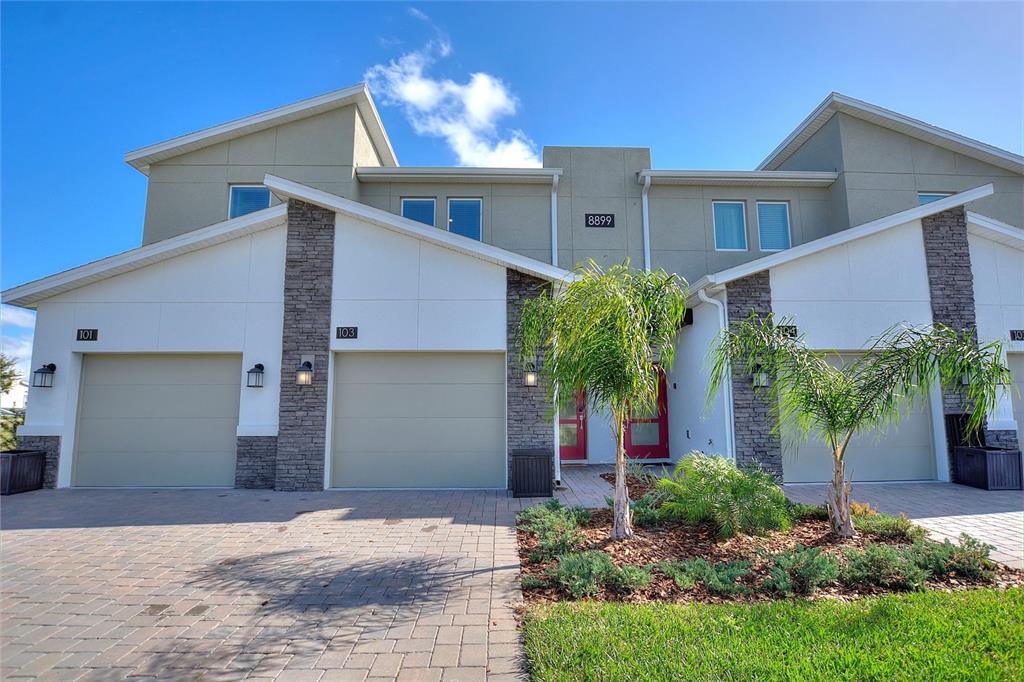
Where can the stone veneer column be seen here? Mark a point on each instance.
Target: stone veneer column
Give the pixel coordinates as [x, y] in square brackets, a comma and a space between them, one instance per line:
[753, 416]
[255, 462]
[529, 417]
[951, 288]
[51, 446]
[302, 416]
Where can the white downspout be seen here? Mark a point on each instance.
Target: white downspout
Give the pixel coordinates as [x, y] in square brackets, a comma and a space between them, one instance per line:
[646, 222]
[730, 424]
[554, 261]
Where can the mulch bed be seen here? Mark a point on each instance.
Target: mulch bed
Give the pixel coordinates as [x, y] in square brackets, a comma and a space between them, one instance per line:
[635, 486]
[676, 541]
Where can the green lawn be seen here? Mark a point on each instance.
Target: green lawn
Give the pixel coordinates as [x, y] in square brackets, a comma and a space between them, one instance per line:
[976, 635]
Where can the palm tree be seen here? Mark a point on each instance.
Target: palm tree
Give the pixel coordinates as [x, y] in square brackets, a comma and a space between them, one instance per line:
[839, 402]
[609, 333]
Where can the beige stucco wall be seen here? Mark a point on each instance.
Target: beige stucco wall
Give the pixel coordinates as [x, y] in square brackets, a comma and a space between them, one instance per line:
[191, 191]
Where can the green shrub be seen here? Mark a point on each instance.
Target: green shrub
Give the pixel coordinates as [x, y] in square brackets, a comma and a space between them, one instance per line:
[807, 512]
[556, 528]
[711, 488]
[532, 582]
[800, 571]
[969, 558]
[884, 566]
[582, 574]
[720, 578]
[898, 528]
[532, 518]
[648, 511]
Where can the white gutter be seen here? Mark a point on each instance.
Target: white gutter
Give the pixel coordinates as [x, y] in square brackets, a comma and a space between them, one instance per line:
[554, 261]
[647, 221]
[554, 220]
[730, 423]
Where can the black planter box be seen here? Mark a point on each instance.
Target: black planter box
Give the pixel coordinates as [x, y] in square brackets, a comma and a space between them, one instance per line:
[532, 474]
[988, 468]
[21, 471]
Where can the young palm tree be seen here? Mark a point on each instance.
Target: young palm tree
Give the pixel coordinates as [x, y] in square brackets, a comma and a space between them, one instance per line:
[840, 402]
[608, 332]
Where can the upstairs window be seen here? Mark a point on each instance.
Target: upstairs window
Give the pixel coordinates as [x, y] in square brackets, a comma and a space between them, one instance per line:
[730, 225]
[420, 210]
[928, 197]
[464, 217]
[248, 198]
[773, 225]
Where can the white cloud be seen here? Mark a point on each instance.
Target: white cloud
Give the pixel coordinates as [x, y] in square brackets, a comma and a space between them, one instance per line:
[465, 114]
[17, 317]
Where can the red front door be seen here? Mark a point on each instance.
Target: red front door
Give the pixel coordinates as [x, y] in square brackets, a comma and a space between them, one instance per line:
[572, 427]
[647, 434]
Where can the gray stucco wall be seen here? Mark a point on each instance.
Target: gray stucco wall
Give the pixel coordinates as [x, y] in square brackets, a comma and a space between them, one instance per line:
[302, 416]
[190, 191]
[753, 416]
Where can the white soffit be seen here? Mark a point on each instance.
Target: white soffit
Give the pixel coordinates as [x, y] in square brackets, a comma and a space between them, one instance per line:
[541, 176]
[28, 295]
[874, 227]
[471, 247]
[359, 95]
[837, 103]
[739, 178]
[995, 230]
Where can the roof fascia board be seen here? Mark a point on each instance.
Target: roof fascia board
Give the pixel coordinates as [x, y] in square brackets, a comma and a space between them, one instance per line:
[839, 103]
[396, 223]
[457, 174]
[701, 177]
[357, 94]
[995, 230]
[26, 295]
[864, 230]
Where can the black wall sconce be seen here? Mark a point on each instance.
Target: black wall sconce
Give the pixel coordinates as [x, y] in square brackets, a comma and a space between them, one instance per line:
[254, 377]
[530, 376]
[304, 373]
[43, 377]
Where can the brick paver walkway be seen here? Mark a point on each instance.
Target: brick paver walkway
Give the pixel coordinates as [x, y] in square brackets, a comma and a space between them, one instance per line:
[946, 510]
[234, 584]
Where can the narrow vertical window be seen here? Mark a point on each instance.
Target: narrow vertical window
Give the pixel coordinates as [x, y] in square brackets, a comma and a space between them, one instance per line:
[464, 217]
[420, 210]
[248, 198]
[773, 225]
[730, 225]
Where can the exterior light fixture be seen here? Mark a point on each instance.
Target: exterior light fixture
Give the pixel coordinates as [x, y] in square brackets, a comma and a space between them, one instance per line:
[304, 373]
[43, 377]
[759, 377]
[254, 377]
[530, 377]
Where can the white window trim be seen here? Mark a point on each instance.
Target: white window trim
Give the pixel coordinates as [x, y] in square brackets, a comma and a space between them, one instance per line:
[432, 200]
[714, 229]
[789, 226]
[243, 185]
[448, 215]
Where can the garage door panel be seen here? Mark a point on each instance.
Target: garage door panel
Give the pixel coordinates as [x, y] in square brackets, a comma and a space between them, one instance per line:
[421, 400]
[470, 469]
[157, 420]
[1015, 361]
[421, 368]
[426, 435]
[171, 468]
[419, 420]
[163, 370]
[899, 452]
[155, 401]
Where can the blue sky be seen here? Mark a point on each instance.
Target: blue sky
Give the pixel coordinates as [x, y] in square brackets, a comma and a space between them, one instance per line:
[712, 86]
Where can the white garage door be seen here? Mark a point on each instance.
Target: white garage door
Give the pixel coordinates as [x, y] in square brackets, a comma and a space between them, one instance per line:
[1016, 363]
[419, 420]
[899, 453]
[157, 420]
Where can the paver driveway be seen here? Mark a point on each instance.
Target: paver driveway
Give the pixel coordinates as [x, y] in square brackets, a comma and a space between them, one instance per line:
[233, 584]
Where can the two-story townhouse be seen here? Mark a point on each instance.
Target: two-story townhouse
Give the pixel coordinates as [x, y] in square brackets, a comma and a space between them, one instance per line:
[304, 312]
